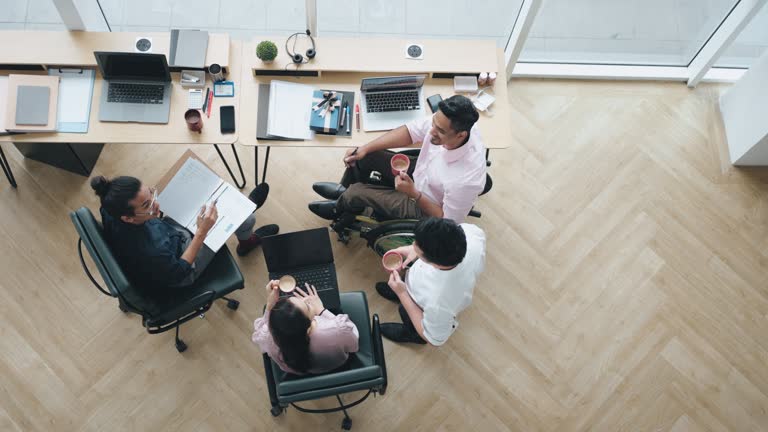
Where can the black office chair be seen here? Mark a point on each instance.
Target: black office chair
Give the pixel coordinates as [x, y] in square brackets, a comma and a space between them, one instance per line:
[365, 370]
[160, 310]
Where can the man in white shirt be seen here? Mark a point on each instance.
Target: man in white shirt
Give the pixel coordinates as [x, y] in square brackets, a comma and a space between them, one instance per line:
[444, 181]
[439, 285]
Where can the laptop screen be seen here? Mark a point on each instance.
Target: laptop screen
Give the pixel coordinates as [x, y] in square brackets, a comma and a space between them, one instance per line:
[392, 83]
[299, 249]
[133, 66]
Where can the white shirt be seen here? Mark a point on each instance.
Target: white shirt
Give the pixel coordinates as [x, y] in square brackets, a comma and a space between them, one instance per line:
[442, 294]
[451, 178]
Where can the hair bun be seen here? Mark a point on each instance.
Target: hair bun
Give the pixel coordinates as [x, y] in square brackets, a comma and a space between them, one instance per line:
[101, 185]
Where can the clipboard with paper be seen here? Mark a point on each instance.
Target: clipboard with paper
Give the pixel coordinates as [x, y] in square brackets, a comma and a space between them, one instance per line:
[189, 186]
[75, 95]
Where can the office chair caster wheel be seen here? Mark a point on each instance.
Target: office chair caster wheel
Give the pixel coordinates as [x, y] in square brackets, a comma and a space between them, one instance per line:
[181, 346]
[346, 424]
[276, 411]
[233, 304]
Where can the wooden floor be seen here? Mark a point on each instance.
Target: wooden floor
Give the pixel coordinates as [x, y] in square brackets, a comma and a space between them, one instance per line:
[625, 289]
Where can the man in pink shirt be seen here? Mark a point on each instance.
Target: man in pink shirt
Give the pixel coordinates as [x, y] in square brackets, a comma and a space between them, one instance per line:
[444, 181]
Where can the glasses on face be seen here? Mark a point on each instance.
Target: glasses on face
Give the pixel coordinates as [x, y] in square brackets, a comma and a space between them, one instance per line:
[150, 207]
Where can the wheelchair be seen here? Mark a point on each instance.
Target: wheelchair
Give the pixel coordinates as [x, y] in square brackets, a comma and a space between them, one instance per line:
[385, 235]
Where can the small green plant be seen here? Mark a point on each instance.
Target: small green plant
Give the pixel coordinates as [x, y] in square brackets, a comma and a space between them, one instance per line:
[266, 51]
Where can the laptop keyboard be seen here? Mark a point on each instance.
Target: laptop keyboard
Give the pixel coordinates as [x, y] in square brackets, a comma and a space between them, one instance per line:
[135, 93]
[392, 101]
[321, 277]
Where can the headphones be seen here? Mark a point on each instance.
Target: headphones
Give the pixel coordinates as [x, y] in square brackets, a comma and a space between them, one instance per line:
[296, 57]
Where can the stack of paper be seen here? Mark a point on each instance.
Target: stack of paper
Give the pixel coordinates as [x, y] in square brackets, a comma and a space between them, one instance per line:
[75, 94]
[195, 186]
[288, 113]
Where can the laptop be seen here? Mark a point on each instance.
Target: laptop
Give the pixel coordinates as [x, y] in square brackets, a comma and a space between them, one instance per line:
[308, 257]
[137, 87]
[390, 102]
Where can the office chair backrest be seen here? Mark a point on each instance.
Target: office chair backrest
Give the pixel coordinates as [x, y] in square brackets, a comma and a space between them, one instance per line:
[92, 236]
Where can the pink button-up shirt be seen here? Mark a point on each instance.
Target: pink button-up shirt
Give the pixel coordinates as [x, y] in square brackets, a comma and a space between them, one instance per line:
[451, 178]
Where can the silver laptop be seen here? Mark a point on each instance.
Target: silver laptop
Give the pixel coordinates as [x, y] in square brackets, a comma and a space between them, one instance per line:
[137, 87]
[390, 102]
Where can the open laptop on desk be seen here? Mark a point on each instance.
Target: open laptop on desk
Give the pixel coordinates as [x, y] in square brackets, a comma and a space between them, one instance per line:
[390, 102]
[137, 87]
[308, 257]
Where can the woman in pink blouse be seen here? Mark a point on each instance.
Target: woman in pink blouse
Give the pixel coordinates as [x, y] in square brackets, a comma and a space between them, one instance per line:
[300, 335]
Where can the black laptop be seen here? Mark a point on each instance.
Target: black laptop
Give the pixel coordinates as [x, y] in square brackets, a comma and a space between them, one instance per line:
[308, 257]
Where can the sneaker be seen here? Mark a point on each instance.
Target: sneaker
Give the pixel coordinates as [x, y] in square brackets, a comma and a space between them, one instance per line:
[259, 194]
[385, 291]
[397, 332]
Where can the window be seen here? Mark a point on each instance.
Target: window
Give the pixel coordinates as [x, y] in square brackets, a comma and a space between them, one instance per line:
[749, 45]
[242, 19]
[451, 19]
[30, 15]
[630, 32]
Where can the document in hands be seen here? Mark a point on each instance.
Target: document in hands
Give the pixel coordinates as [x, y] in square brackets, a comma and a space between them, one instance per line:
[195, 186]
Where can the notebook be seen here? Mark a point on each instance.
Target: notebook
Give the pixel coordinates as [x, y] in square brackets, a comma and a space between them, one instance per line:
[194, 185]
[32, 103]
[288, 113]
[3, 103]
[188, 48]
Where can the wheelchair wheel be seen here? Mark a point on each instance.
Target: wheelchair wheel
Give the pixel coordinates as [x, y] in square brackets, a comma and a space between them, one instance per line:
[387, 242]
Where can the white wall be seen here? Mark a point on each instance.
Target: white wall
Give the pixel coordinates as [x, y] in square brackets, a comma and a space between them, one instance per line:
[745, 115]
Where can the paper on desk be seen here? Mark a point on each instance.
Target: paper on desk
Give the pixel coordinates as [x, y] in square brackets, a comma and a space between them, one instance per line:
[194, 186]
[288, 112]
[75, 94]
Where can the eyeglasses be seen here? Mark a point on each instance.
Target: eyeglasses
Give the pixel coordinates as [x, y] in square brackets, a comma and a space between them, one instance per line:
[150, 206]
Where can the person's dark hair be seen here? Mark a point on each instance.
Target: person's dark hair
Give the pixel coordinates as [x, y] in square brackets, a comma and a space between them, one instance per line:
[442, 241]
[289, 326]
[116, 193]
[460, 111]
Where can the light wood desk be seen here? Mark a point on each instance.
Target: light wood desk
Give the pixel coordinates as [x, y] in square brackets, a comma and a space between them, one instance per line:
[342, 63]
[79, 152]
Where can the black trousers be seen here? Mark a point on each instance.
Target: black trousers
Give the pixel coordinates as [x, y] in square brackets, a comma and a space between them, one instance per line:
[407, 322]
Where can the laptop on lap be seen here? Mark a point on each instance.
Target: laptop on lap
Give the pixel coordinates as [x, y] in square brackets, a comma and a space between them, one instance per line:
[137, 87]
[308, 257]
[390, 102]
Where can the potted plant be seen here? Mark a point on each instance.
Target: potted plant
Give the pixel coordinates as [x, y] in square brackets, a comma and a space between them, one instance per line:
[266, 51]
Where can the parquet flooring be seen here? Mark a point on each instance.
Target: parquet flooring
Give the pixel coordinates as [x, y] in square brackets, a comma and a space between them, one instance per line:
[625, 289]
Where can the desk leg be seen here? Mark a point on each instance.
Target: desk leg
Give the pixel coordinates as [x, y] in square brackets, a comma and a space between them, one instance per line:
[239, 185]
[7, 169]
[266, 164]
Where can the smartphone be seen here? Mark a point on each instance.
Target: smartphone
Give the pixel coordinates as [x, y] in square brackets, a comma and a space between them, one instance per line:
[227, 116]
[433, 101]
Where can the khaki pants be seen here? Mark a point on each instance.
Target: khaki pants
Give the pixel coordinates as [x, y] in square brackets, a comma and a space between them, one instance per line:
[385, 201]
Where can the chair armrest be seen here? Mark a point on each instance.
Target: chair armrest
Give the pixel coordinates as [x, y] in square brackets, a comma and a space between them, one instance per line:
[270, 380]
[180, 314]
[378, 349]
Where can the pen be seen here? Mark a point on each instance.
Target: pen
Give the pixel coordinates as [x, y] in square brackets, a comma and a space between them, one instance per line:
[349, 123]
[210, 104]
[343, 114]
[205, 101]
[357, 116]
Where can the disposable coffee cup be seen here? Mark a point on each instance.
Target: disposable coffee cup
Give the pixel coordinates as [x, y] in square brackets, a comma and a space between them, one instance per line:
[194, 120]
[287, 284]
[392, 261]
[399, 162]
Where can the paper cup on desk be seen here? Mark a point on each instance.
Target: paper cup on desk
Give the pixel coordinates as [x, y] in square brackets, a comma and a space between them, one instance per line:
[287, 284]
[399, 162]
[392, 261]
[194, 120]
